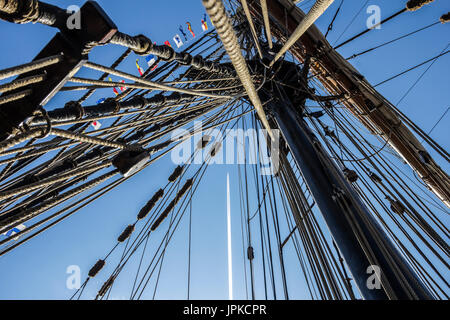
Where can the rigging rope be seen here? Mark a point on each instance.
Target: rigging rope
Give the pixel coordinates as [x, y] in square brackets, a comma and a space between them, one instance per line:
[370, 29]
[412, 68]
[316, 11]
[330, 26]
[220, 20]
[391, 41]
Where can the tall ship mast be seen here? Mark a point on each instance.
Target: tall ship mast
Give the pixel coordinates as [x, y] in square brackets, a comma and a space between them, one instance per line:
[330, 181]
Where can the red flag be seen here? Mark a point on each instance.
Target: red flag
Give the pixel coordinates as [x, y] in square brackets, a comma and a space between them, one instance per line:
[96, 124]
[204, 24]
[122, 88]
[190, 29]
[114, 89]
[141, 72]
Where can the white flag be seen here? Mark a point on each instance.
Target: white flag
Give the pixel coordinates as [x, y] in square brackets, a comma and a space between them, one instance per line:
[150, 60]
[14, 231]
[177, 40]
[96, 124]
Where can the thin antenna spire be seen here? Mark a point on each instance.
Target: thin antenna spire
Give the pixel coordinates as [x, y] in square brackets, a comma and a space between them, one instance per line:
[230, 263]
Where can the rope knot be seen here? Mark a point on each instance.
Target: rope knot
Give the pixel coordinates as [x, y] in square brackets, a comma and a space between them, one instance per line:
[145, 44]
[41, 112]
[186, 59]
[75, 107]
[115, 103]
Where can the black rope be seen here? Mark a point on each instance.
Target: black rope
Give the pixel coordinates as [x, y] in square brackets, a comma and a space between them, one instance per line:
[422, 75]
[391, 41]
[351, 21]
[411, 69]
[367, 30]
[330, 26]
[437, 122]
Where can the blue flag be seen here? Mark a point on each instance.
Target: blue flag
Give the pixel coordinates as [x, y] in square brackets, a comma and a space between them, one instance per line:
[182, 32]
[14, 231]
[151, 59]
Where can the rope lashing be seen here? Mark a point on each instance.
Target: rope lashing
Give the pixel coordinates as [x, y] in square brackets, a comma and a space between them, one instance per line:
[350, 175]
[126, 233]
[150, 204]
[375, 178]
[160, 146]
[413, 5]
[215, 149]
[203, 142]
[8, 6]
[124, 236]
[250, 253]
[106, 286]
[176, 174]
[96, 268]
[72, 110]
[141, 45]
[16, 11]
[130, 229]
[186, 187]
[445, 18]
[396, 206]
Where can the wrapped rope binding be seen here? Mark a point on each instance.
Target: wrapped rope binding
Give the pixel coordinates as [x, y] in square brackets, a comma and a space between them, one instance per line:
[413, 5]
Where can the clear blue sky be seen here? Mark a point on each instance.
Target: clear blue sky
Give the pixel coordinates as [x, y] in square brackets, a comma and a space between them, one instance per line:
[37, 270]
